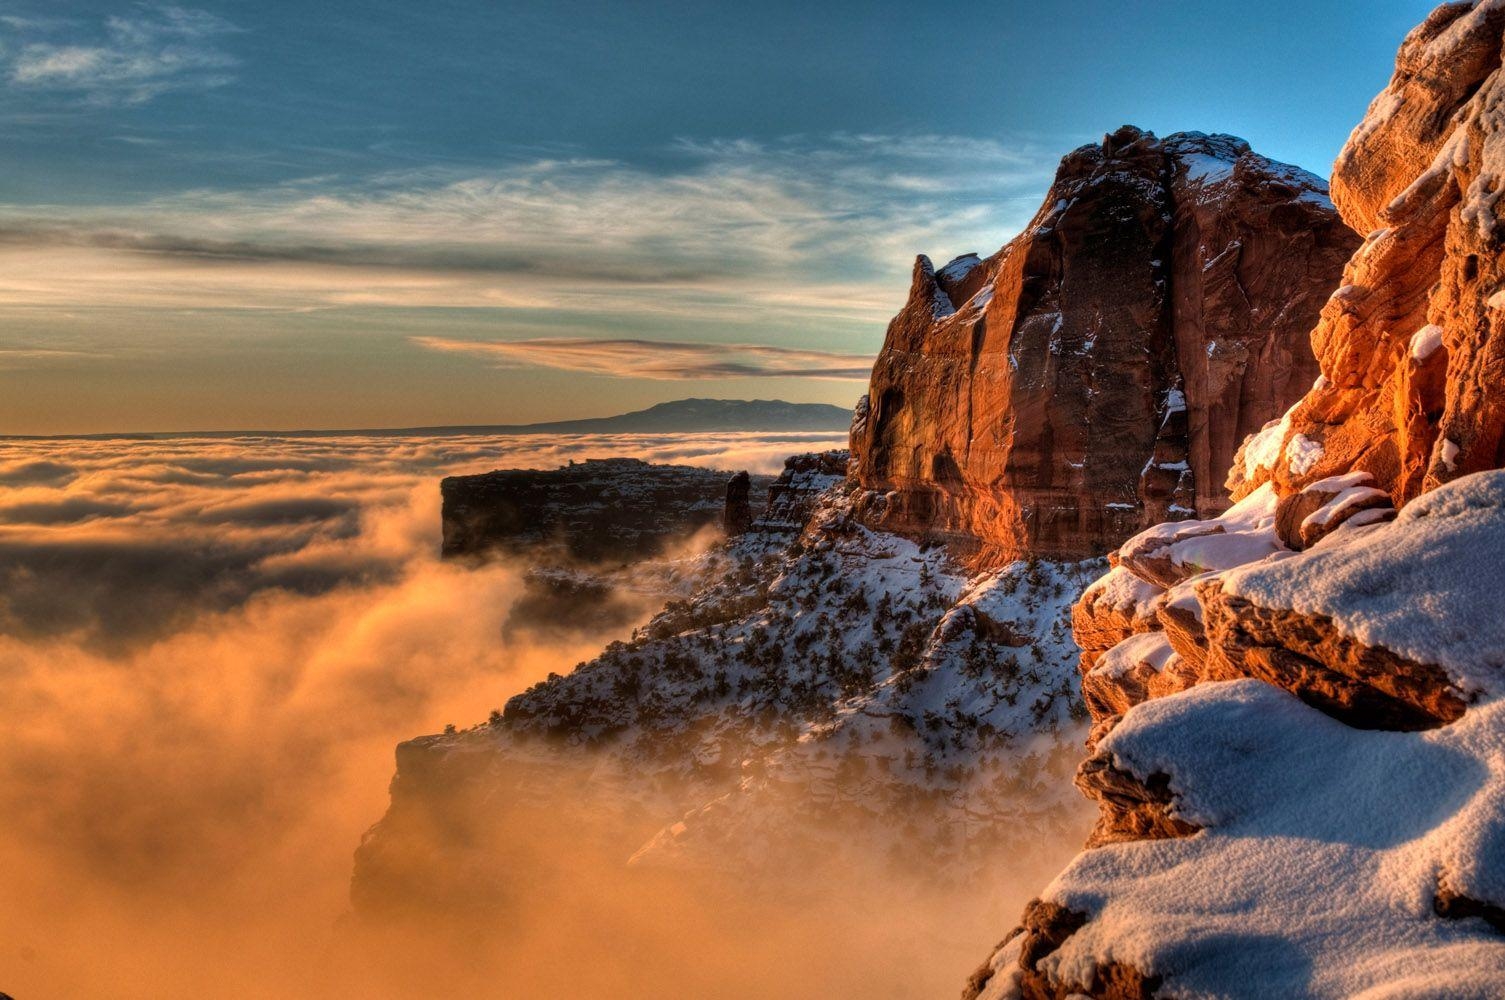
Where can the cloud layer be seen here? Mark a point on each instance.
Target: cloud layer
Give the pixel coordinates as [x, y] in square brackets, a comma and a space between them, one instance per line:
[116, 541]
[208, 649]
[130, 58]
[660, 359]
[821, 227]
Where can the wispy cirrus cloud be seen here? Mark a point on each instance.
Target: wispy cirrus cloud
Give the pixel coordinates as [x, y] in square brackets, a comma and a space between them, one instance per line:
[129, 59]
[660, 359]
[819, 225]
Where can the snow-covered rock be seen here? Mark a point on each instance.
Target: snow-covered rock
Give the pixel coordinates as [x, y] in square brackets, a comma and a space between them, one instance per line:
[1300, 839]
[825, 689]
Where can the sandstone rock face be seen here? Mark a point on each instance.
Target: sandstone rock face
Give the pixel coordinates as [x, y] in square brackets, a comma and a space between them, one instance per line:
[1411, 345]
[1096, 374]
[1359, 572]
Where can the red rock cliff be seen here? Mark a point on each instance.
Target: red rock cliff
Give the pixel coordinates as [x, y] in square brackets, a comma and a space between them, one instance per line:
[1410, 345]
[1097, 373]
[1350, 604]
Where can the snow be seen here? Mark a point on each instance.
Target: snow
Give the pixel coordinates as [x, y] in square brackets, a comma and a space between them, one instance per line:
[1244, 533]
[1183, 596]
[1349, 490]
[1320, 856]
[1424, 342]
[958, 268]
[1381, 110]
[1150, 648]
[1302, 453]
[1261, 450]
[1122, 591]
[1420, 586]
[1449, 454]
[1203, 169]
[833, 663]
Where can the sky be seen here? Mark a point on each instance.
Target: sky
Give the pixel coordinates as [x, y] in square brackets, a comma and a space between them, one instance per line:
[276, 215]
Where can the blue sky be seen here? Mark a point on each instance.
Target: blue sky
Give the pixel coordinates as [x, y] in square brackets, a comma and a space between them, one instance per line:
[286, 214]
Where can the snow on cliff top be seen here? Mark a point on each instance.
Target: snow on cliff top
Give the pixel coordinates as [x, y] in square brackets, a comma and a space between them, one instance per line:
[1316, 873]
[1424, 586]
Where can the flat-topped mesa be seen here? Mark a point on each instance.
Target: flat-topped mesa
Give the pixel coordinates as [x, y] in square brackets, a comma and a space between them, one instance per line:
[595, 511]
[1411, 345]
[1096, 374]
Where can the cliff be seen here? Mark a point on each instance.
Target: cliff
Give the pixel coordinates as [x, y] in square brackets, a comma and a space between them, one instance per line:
[596, 511]
[1327, 822]
[1411, 358]
[1096, 374]
[835, 692]
[825, 695]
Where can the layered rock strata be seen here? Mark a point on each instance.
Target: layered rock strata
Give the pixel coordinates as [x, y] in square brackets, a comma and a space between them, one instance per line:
[595, 511]
[1096, 374]
[1410, 344]
[1326, 822]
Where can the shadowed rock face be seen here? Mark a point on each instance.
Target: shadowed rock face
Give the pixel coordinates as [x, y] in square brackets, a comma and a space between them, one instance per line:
[1096, 374]
[738, 516]
[596, 511]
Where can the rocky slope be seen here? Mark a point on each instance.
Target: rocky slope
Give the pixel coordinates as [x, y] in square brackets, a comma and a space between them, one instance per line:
[1326, 822]
[826, 680]
[1095, 375]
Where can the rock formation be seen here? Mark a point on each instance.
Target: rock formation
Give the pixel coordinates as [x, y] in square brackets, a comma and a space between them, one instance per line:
[737, 517]
[596, 511]
[1411, 346]
[1096, 374]
[1328, 821]
[827, 694]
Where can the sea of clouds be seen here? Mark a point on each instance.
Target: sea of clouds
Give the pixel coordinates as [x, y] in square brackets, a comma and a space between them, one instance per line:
[209, 648]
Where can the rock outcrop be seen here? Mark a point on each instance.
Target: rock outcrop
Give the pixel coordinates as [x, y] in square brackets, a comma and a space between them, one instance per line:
[1411, 345]
[737, 516]
[827, 695]
[1346, 782]
[596, 511]
[1096, 374]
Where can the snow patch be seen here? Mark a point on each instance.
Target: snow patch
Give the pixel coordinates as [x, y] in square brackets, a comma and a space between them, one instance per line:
[1424, 342]
[1320, 856]
[1302, 453]
[1449, 454]
[1418, 586]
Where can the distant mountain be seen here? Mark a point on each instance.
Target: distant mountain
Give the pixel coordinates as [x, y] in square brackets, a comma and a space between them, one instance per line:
[700, 415]
[680, 415]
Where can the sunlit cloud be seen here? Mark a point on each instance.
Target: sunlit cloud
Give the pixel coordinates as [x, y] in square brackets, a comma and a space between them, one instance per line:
[31, 357]
[114, 539]
[129, 59]
[659, 359]
[826, 226]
